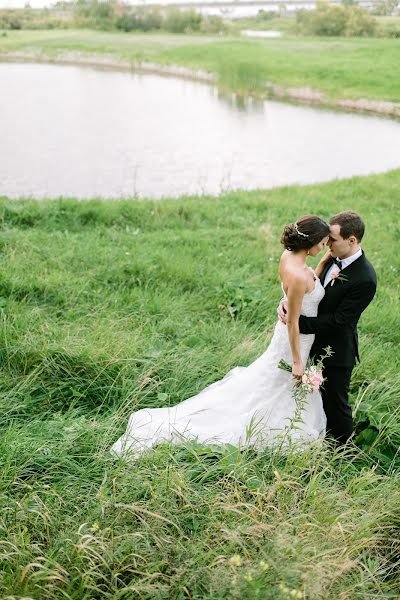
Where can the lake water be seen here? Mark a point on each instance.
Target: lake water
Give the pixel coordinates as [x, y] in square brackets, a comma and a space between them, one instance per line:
[84, 132]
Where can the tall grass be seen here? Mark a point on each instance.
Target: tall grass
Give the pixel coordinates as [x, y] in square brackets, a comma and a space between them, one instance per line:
[106, 307]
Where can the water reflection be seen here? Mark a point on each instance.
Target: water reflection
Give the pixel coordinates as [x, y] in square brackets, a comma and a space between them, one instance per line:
[81, 132]
[240, 101]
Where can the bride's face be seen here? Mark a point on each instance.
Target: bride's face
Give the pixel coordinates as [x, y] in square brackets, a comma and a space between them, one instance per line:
[318, 247]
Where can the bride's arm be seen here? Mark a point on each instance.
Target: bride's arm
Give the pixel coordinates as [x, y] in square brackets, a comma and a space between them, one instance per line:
[322, 263]
[295, 294]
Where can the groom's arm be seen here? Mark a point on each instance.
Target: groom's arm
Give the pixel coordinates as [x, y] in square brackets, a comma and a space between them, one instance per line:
[347, 313]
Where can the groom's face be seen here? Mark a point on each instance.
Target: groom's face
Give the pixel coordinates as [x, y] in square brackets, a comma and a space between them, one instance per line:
[338, 246]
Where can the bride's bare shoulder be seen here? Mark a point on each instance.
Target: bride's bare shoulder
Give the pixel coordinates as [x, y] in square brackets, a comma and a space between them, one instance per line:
[295, 278]
[291, 274]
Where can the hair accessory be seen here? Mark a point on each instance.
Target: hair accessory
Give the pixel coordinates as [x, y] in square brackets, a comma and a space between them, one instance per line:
[300, 233]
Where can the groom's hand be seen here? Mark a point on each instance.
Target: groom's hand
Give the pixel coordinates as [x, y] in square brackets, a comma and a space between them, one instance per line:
[326, 257]
[282, 311]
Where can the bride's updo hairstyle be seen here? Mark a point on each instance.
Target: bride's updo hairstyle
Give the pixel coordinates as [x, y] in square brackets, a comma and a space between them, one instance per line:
[305, 233]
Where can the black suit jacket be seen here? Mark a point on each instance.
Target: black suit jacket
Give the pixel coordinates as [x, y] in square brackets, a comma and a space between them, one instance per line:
[339, 312]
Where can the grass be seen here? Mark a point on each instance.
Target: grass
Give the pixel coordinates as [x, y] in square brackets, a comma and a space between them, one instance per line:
[340, 67]
[108, 306]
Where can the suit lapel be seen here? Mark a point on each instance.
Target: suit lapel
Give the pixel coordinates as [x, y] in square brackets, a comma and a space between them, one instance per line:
[324, 272]
[347, 272]
[357, 264]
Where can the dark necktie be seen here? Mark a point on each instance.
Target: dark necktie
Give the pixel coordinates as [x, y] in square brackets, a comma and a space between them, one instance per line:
[338, 262]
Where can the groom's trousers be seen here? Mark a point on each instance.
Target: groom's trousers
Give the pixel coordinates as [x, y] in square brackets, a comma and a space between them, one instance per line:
[335, 398]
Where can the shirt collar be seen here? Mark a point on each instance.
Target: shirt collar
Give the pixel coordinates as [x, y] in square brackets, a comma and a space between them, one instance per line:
[350, 259]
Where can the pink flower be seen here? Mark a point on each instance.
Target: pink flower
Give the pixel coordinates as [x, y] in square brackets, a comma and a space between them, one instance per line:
[313, 377]
[335, 275]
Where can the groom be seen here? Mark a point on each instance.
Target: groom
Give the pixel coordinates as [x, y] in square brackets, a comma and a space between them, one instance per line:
[349, 280]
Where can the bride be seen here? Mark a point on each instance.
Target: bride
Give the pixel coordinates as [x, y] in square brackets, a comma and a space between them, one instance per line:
[252, 405]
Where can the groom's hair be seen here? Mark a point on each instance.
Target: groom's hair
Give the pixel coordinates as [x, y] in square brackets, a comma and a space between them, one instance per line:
[350, 224]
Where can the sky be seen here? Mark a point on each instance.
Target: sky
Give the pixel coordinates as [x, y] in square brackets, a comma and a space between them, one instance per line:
[43, 3]
[21, 3]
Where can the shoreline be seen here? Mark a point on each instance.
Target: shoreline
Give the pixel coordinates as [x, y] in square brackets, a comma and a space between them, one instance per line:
[303, 95]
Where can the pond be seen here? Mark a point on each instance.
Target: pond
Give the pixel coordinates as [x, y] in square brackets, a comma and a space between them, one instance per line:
[83, 132]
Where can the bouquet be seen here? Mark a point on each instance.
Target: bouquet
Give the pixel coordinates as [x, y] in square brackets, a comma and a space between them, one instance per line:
[311, 381]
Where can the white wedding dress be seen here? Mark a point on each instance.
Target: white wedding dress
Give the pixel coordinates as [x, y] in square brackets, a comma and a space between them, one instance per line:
[250, 406]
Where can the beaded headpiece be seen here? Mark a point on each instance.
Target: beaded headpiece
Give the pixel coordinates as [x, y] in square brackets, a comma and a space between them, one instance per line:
[300, 233]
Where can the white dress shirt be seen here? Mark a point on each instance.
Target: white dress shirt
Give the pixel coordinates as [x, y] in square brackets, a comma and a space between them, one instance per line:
[345, 263]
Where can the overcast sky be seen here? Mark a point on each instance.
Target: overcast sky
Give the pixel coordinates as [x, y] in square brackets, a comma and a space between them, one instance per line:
[42, 3]
[21, 3]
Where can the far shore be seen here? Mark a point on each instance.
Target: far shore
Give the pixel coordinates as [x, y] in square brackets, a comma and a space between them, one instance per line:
[305, 95]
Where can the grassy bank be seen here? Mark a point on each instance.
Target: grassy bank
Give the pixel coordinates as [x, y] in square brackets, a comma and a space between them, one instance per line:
[341, 68]
[111, 306]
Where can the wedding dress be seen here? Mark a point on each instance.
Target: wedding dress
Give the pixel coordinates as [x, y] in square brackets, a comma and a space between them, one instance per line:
[250, 406]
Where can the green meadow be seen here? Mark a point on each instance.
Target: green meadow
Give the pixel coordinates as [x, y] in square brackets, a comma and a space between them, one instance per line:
[110, 306]
[342, 68]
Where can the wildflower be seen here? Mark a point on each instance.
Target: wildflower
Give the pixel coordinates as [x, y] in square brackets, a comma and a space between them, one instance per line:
[235, 560]
[264, 566]
[248, 577]
[95, 527]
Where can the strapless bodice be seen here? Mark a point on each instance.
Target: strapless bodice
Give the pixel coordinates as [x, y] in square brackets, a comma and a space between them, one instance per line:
[311, 300]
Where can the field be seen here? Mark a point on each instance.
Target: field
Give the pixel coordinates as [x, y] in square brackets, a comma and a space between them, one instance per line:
[111, 306]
